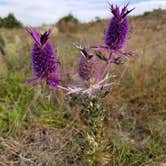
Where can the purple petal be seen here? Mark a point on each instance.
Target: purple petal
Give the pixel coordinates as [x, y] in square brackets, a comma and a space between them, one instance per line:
[44, 37]
[35, 35]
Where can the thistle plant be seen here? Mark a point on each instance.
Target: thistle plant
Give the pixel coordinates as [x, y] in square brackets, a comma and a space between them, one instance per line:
[88, 92]
[44, 59]
[93, 80]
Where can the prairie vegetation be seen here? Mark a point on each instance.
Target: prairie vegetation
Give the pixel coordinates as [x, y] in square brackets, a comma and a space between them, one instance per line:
[41, 128]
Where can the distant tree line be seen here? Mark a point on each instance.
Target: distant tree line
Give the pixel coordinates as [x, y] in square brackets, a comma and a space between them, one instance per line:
[68, 18]
[10, 22]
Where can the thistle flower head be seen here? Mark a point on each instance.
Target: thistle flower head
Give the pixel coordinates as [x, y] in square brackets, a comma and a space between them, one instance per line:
[44, 59]
[88, 66]
[117, 32]
[92, 79]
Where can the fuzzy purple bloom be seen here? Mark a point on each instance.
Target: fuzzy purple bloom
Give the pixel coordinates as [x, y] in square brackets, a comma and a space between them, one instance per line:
[116, 36]
[117, 32]
[91, 79]
[44, 59]
[88, 67]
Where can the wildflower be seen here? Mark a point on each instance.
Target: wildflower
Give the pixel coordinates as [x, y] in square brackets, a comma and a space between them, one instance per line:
[90, 72]
[117, 33]
[116, 38]
[44, 59]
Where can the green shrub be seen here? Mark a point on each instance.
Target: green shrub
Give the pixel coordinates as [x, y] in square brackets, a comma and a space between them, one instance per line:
[68, 23]
[10, 22]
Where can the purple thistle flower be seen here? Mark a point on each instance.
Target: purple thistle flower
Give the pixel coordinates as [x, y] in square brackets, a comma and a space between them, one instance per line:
[44, 59]
[117, 32]
[116, 37]
[88, 67]
[90, 72]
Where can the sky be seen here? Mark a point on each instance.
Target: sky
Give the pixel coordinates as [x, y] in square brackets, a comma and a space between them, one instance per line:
[37, 12]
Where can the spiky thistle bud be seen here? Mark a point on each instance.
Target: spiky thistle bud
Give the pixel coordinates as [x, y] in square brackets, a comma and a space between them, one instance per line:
[92, 80]
[117, 32]
[88, 66]
[44, 59]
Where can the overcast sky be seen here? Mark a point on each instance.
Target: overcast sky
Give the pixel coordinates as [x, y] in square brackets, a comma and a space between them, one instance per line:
[37, 12]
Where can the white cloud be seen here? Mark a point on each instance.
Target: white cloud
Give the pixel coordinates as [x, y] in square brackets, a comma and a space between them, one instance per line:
[36, 12]
[141, 7]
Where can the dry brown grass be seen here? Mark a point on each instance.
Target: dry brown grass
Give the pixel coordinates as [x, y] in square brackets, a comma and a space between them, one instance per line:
[42, 146]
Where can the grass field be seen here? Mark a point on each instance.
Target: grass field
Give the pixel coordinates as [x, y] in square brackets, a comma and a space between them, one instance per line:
[41, 128]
